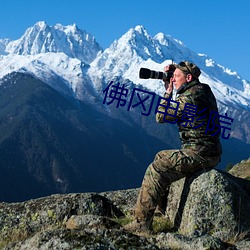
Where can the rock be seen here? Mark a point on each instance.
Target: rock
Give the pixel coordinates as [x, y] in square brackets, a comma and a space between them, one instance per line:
[63, 239]
[90, 221]
[209, 210]
[20, 220]
[243, 245]
[241, 169]
[124, 199]
[212, 202]
[178, 241]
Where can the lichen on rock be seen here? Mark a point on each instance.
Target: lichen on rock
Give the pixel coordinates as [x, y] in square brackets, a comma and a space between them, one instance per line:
[211, 202]
[209, 210]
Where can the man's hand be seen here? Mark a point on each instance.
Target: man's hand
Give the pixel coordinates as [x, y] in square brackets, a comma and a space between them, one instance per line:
[168, 85]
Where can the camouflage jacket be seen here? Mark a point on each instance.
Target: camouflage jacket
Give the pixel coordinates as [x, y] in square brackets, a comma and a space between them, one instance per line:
[196, 114]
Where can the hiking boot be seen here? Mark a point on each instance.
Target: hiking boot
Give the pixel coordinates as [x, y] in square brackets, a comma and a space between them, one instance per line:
[140, 227]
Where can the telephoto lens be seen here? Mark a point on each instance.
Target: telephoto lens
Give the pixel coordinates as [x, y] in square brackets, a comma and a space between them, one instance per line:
[147, 73]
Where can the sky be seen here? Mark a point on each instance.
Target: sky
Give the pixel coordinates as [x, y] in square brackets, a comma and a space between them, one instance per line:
[217, 28]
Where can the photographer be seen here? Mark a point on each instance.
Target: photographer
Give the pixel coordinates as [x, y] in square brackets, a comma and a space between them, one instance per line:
[200, 149]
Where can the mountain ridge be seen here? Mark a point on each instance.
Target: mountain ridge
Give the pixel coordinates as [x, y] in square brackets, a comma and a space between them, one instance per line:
[146, 51]
[55, 144]
[135, 49]
[42, 38]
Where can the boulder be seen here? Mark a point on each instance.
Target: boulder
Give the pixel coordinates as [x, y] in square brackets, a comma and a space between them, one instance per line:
[179, 241]
[19, 221]
[241, 169]
[210, 202]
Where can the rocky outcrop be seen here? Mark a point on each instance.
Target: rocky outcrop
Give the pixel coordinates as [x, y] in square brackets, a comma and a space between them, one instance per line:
[209, 210]
[211, 202]
[241, 169]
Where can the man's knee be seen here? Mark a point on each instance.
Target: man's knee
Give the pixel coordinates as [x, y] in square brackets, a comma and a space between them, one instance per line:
[161, 161]
[161, 154]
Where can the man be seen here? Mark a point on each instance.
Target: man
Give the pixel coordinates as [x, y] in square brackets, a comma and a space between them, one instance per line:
[195, 112]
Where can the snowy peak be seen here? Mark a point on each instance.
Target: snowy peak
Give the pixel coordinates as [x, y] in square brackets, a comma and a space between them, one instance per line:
[134, 47]
[141, 43]
[158, 48]
[35, 40]
[42, 38]
[73, 54]
[167, 40]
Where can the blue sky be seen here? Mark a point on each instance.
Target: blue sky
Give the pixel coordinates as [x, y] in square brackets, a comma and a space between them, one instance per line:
[218, 28]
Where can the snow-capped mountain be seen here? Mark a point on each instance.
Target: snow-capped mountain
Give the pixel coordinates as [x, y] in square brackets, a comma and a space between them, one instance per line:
[41, 38]
[74, 56]
[63, 73]
[57, 55]
[137, 49]
[71, 61]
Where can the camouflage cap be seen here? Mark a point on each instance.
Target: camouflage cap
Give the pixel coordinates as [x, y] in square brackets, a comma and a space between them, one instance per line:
[189, 68]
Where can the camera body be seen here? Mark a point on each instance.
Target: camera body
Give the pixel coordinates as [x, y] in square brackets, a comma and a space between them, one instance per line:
[146, 73]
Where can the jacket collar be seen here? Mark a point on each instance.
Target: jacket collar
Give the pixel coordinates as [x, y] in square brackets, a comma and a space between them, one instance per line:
[187, 85]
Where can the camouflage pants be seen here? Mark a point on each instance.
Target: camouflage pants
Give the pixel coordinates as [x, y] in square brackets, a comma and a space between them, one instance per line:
[167, 167]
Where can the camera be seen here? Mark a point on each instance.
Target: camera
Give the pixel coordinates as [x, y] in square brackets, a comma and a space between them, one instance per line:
[145, 73]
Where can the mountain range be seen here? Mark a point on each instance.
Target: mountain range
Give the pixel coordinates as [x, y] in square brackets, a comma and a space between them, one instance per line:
[58, 135]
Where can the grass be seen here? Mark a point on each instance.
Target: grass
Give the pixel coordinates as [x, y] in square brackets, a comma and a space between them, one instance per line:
[15, 236]
[160, 223]
[239, 237]
[123, 220]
